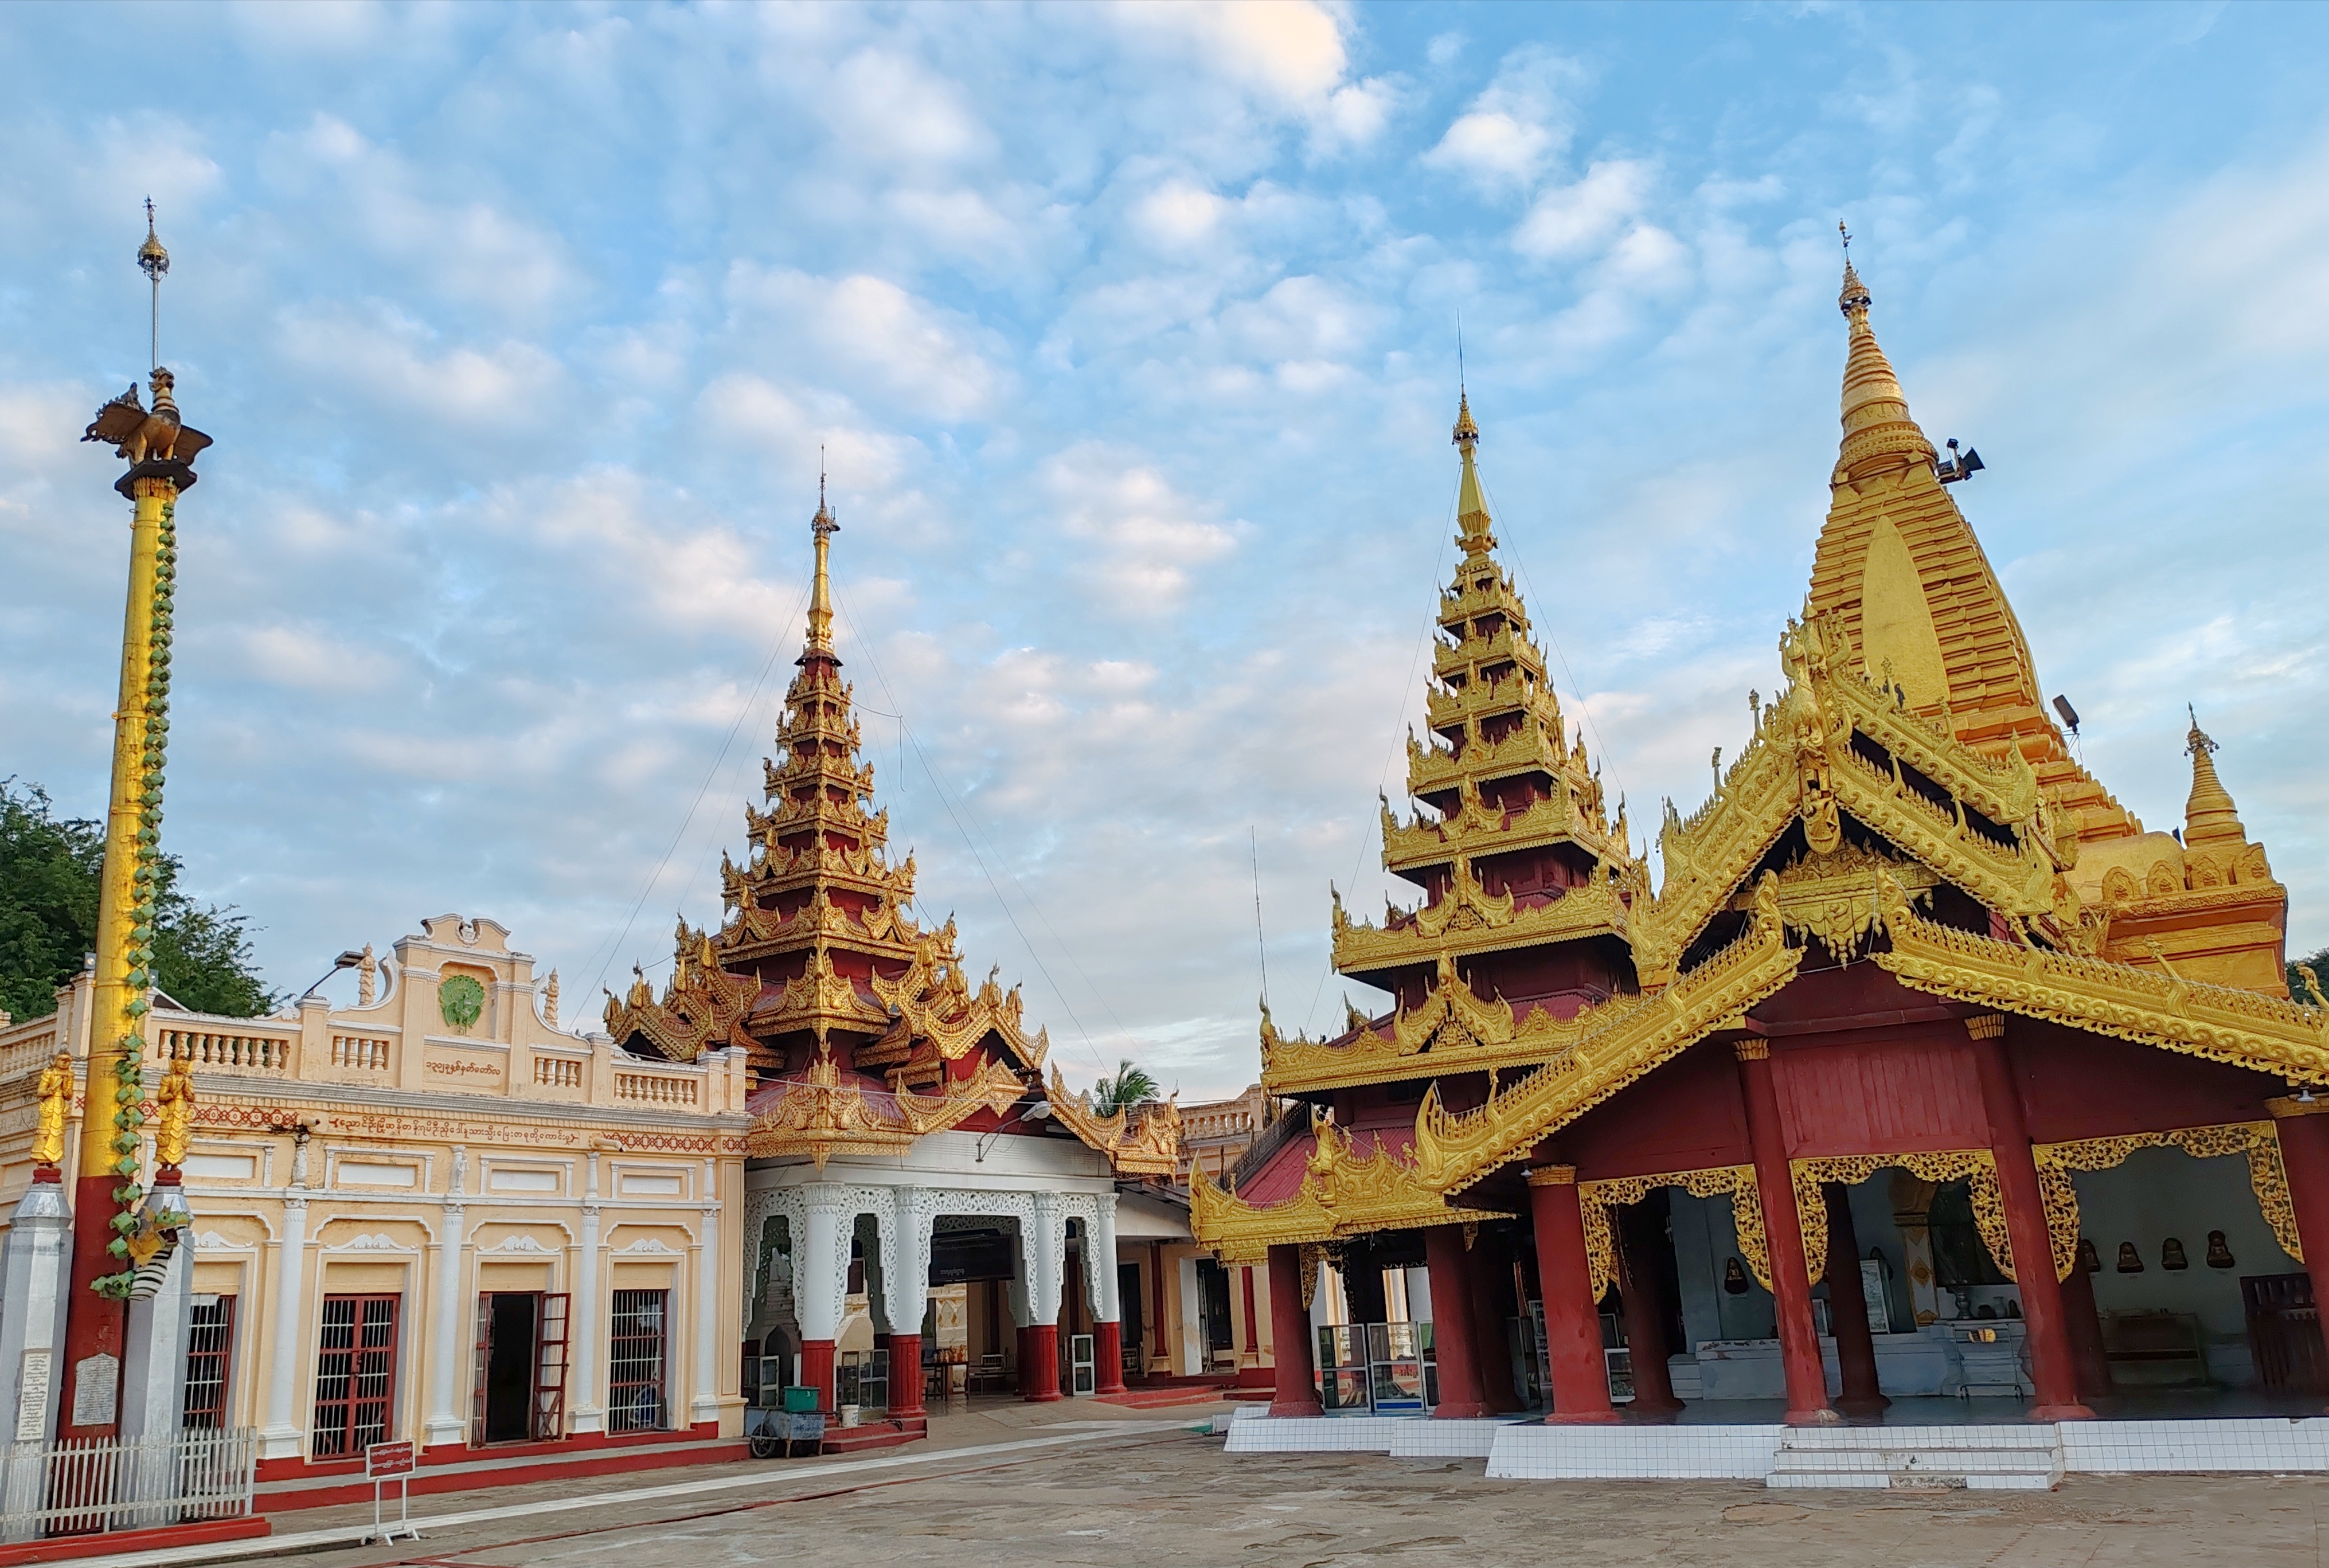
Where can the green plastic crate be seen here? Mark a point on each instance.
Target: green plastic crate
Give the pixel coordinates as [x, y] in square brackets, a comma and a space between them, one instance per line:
[800, 1401]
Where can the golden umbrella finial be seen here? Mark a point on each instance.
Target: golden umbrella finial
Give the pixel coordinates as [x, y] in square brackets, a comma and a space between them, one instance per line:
[153, 261]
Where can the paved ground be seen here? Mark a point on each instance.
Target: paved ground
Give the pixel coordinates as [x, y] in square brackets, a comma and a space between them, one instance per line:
[1154, 1495]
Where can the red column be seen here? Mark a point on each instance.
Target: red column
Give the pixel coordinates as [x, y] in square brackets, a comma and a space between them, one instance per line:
[1485, 1282]
[1451, 1325]
[2304, 1152]
[1039, 1374]
[1289, 1332]
[2084, 1325]
[905, 1374]
[816, 1371]
[1107, 1352]
[1847, 1308]
[1252, 1323]
[2051, 1366]
[1783, 1237]
[1646, 1317]
[1572, 1323]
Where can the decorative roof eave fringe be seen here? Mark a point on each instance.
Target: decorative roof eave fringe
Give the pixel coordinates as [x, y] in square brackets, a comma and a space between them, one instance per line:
[821, 1116]
[1145, 1145]
[2153, 1006]
[1452, 1152]
[1341, 1196]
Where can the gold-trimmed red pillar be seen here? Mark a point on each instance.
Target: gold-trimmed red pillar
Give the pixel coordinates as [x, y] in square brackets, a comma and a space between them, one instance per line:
[2304, 1132]
[2053, 1368]
[1289, 1332]
[1783, 1238]
[1639, 1289]
[1847, 1308]
[1572, 1318]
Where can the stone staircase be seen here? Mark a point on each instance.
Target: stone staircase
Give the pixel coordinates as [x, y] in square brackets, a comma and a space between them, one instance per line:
[1917, 1458]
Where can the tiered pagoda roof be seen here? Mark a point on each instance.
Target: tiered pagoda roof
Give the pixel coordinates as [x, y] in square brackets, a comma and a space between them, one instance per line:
[1905, 800]
[862, 1024]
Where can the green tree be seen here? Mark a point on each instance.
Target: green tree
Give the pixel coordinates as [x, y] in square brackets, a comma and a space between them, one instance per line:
[49, 872]
[1131, 1086]
[2319, 964]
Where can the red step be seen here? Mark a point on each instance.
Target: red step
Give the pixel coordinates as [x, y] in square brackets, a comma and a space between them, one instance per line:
[875, 1434]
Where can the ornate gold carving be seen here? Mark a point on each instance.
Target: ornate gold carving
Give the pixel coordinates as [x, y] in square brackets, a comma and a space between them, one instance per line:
[1976, 1166]
[55, 1090]
[1752, 1049]
[703, 1006]
[821, 1116]
[2258, 1140]
[1986, 1026]
[174, 1105]
[1737, 1182]
[2219, 1023]
[1552, 1175]
[1612, 1048]
[1341, 1195]
[1467, 920]
[1145, 1144]
[1833, 895]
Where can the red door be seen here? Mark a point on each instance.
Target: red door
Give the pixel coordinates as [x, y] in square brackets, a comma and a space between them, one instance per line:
[356, 1376]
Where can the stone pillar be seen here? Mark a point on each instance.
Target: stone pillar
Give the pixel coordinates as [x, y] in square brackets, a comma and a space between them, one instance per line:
[1572, 1318]
[1108, 1310]
[1451, 1326]
[1047, 1258]
[821, 1287]
[2304, 1155]
[1791, 1282]
[35, 1266]
[1289, 1329]
[1639, 1286]
[1847, 1308]
[2084, 1324]
[586, 1376]
[705, 1409]
[282, 1437]
[2051, 1367]
[451, 1334]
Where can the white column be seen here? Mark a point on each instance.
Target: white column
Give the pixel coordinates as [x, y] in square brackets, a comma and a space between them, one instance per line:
[1193, 1330]
[821, 1263]
[1099, 1263]
[906, 1279]
[707, 1301]
[449, 1332]
[281, 1438]
[586, 1376]
[1047, 1258]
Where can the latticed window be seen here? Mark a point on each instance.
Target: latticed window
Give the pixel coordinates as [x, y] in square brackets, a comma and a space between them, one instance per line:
[355, 1374]
[637, 1348]
[210, 1356]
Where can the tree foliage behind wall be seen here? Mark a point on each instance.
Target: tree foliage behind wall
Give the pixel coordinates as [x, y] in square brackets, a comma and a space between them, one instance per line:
[49, 868]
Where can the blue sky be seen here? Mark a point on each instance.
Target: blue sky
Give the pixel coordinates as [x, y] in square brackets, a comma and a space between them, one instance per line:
[1130, 332]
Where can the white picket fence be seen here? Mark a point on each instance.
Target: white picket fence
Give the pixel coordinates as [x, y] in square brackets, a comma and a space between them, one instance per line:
[77, 1486]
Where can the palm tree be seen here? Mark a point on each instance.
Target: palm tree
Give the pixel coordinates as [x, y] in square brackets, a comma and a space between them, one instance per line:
[1131, 1086]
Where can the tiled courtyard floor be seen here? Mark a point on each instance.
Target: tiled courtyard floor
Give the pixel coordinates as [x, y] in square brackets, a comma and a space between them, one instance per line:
[1167, 1497]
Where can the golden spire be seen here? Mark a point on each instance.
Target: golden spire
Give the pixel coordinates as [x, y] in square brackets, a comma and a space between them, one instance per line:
[2209, 815]
[1472, 518]
[820, 599]
[1878, 432]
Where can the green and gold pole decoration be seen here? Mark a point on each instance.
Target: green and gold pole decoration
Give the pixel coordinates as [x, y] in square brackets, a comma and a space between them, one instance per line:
[107, 1196]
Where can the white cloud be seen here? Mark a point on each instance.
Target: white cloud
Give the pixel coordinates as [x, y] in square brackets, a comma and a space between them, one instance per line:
[1568, 220]
[1515, 129]
[923, 357]
[1146, 538]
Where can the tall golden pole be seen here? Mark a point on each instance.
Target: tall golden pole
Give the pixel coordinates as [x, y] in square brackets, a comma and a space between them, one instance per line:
[106, 1196]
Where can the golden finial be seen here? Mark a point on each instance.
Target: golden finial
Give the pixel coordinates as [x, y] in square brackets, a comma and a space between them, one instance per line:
[153, 261]
[820, 599]
[2197, 740]
[1854, 295]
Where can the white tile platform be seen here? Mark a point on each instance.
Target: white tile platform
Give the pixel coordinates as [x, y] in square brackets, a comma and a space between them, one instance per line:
[1981, 1456]
[2023, 1456]
[1350, 1434]
[1697, 1451]
[1448, 1439]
